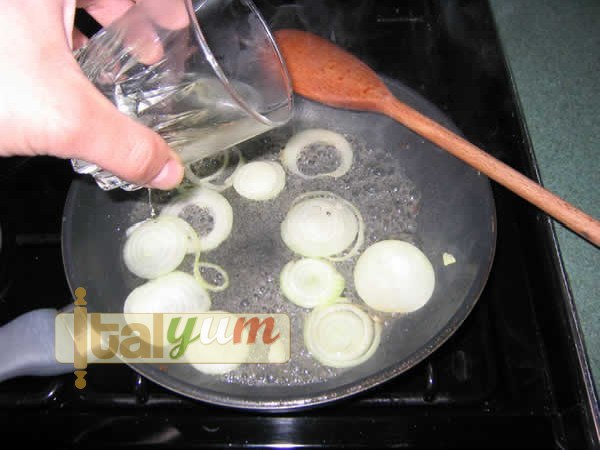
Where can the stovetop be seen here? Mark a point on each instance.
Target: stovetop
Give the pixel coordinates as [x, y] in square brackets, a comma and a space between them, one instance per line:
[513, 375]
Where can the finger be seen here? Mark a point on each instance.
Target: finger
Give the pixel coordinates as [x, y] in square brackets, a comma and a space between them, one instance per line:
[98, 133]
[105, 11]
[141, 37]
[79, 39]
[139, 32]
[175, 17]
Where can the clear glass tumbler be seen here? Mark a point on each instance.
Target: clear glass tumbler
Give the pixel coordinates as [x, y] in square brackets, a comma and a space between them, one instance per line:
[204, 74]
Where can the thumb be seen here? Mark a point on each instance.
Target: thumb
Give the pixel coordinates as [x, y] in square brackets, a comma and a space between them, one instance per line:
[104, 136]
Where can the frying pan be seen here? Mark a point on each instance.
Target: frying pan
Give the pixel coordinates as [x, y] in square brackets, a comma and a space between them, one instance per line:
[456, 215]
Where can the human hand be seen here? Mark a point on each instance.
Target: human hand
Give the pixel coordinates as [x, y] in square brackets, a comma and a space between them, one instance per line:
[48, 106]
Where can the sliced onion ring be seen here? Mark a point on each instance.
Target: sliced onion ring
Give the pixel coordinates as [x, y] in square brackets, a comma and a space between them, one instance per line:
[176, 292]
[259, 180]
[209, 286]
[302, 140]
[217, 206]
[341, 334]
[323, 224]
[191, 175]
[156, 247]
[309, 282]
[394, 276]
[237, 353]
[208, 181]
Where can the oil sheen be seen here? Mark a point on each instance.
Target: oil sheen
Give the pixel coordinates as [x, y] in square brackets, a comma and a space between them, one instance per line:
[255, 254]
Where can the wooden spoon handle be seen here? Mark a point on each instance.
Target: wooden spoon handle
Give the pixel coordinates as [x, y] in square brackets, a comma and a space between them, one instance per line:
[572, 217]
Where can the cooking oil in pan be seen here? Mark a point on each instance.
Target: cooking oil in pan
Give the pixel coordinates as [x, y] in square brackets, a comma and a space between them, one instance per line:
[255, 254]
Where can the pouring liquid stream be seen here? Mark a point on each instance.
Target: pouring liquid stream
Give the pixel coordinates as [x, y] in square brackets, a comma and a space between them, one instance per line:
[151, 205]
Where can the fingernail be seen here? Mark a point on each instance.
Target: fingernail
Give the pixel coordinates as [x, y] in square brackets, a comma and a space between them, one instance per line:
[169, 176]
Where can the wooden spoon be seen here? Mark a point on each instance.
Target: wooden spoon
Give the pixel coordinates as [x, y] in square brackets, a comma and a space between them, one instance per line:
[325, 73]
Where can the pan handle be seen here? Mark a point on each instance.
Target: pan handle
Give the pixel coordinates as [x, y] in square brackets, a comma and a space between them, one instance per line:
[27, 346]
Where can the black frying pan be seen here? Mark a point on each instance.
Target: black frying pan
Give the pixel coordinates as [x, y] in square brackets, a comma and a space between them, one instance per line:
[456, 215]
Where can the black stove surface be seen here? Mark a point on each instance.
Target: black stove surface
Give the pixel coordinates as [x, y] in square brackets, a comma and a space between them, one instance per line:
[513, 375]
